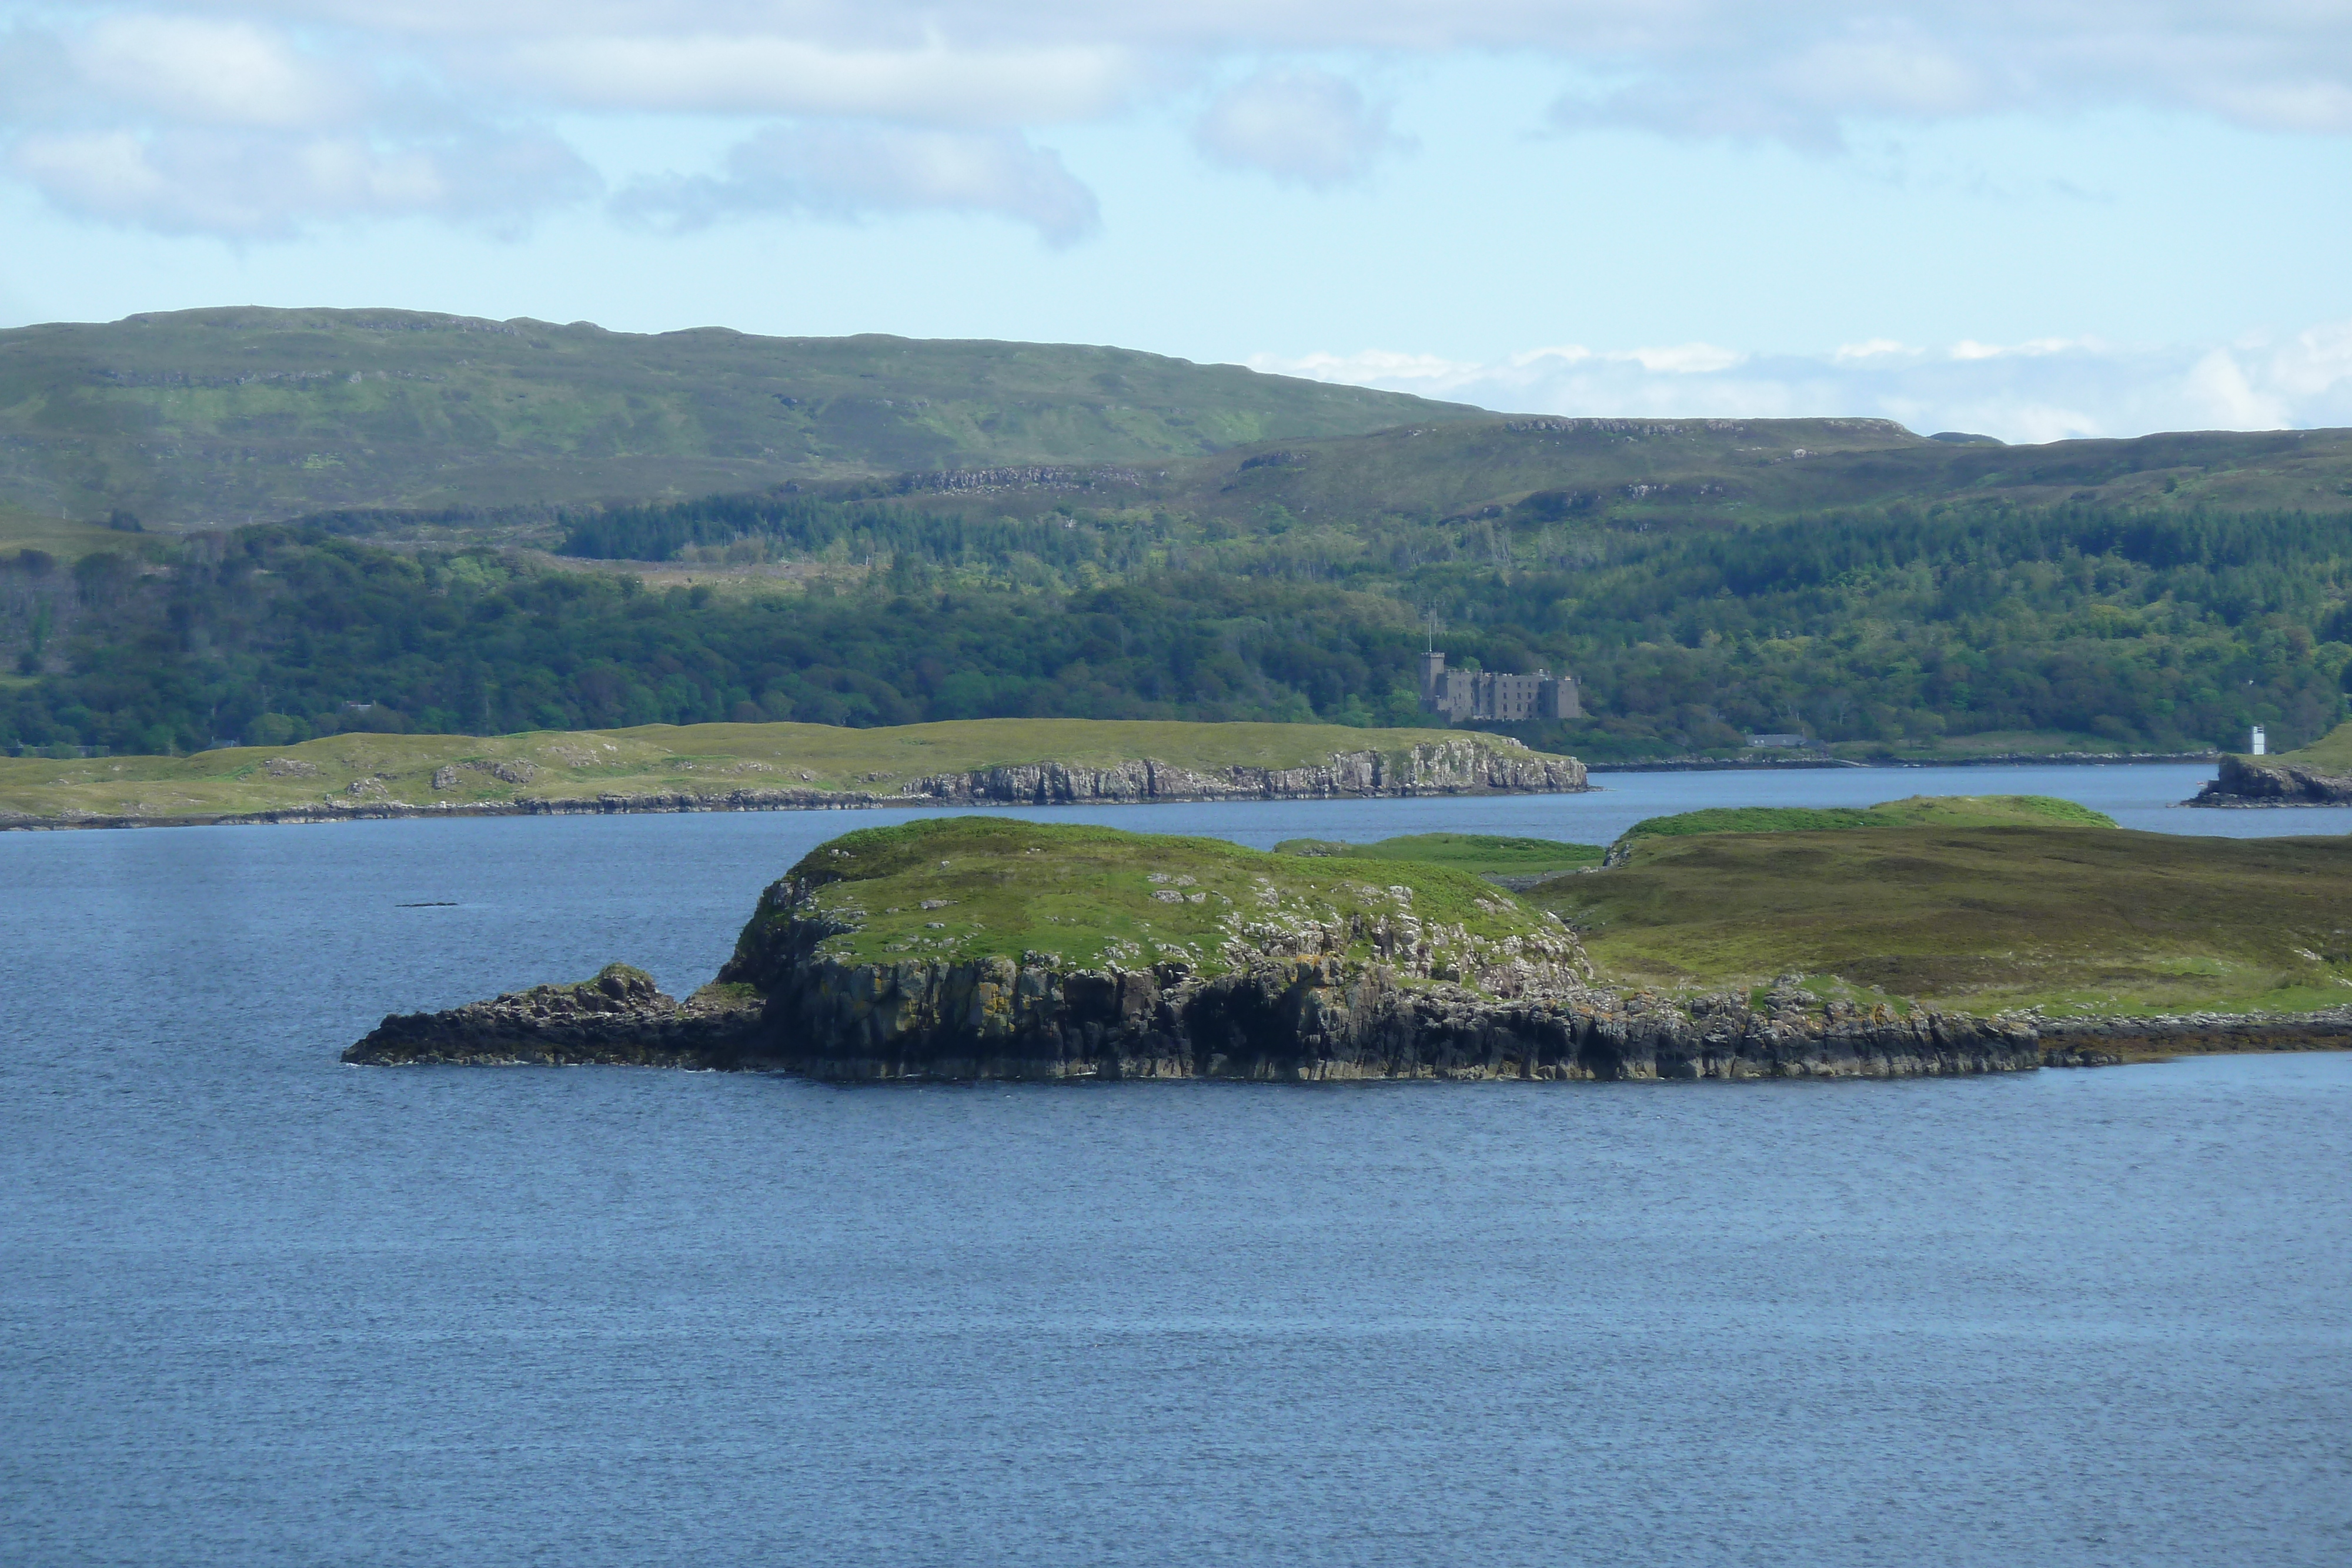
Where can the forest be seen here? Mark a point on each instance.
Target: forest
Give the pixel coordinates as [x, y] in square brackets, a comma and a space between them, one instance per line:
[1891, 626]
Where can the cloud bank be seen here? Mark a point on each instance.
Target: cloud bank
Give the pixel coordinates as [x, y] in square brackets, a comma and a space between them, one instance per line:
[2035, 391]
[349, 108]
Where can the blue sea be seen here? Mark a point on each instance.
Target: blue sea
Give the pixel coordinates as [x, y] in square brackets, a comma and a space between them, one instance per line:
[259, 1308]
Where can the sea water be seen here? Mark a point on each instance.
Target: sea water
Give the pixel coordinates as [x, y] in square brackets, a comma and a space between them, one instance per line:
[259, 1308]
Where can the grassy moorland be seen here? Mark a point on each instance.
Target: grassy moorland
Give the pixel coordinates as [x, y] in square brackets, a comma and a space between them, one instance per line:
[213, 417]
[972, 887]
[361, 769]
[1489, 855]
[2074, 919]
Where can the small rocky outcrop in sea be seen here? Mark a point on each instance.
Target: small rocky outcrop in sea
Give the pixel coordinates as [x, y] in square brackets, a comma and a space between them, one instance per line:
[2255, 781]
[619, 1015]
[983, 948]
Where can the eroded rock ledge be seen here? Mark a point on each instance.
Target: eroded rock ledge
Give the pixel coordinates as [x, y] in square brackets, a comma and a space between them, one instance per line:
[2244, 781]
[1298, 1019]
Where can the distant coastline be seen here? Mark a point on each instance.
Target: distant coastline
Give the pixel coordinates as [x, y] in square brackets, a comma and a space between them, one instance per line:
[2004, 759]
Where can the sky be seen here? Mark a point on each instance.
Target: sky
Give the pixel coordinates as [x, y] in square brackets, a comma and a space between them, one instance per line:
[2030, 220]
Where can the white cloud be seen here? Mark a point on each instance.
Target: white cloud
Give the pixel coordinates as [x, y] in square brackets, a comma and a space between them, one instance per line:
[214, 73]
[1968, 349]
[857, 172]
[1306, 126]
[1872, 348]
[2052, 389]
[399, 74]
[253, 185]
[929, 82]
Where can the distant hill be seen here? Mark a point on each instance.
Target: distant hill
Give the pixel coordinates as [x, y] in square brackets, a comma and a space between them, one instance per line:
[1537, 469]
[209, 417]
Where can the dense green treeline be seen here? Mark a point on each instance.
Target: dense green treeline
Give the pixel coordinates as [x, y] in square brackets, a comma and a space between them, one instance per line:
[1896, 627]
[788, 527]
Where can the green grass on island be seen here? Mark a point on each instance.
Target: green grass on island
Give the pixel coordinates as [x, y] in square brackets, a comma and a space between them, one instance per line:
[2331, 753]
[1914, 812]
[1486, 855]
[956, 888]
[2073, 919]
[361, 768]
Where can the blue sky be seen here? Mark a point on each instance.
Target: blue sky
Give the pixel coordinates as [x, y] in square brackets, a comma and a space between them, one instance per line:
[2033, 220]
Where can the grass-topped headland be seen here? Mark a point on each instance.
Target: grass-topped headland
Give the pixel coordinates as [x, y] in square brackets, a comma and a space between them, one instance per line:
[958, 889]
[777, 764]
[1912, 811]
[2074, 919]
[1494, 856]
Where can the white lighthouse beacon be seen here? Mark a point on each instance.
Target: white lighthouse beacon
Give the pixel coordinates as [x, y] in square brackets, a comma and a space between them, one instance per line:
[2262, 742]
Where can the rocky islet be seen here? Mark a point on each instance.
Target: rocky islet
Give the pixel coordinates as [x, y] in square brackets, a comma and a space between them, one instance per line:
[1267, 977]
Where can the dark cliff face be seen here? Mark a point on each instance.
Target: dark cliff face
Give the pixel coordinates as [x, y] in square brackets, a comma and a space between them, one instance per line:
[1295, 1020]
[2247, 781]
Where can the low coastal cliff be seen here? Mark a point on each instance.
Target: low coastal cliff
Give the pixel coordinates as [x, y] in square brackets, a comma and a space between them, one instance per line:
[2251, 782]
[1304, 1019]
[1490, 765]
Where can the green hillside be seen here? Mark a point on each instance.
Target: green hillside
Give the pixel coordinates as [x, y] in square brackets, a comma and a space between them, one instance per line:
[1528, 469]
[211, 417]
[1985, 631]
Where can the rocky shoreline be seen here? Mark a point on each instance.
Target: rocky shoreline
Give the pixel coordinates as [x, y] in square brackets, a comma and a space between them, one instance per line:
[2250, 781]
[1306, 1020]
[1442, 767]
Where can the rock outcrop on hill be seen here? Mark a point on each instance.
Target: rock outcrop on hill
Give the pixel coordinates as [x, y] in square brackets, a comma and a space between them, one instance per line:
[2253, 781]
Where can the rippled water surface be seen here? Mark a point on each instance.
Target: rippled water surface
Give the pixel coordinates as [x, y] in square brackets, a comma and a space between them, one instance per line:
[259, 1308]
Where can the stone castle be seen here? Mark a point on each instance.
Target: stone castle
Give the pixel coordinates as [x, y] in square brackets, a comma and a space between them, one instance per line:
[1484, 694]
